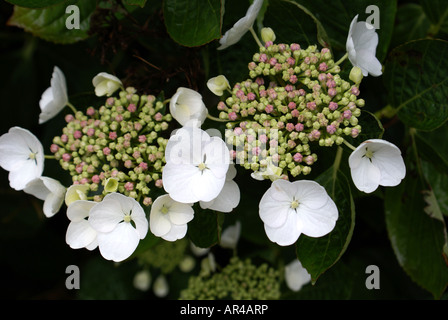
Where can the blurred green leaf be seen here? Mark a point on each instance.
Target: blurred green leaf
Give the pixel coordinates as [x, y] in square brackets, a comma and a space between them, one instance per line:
[319, 254]
[439, 185]
[433, 148]
[205, 228]
[293, 23]
[411, 24]
[140, 3]
[417, 239]
[193, 23]
[415, 76]
[371, 128]
[34, 3]
[437, 12]
[50, 23]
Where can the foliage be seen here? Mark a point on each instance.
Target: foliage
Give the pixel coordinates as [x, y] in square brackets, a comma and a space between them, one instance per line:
[158, 46]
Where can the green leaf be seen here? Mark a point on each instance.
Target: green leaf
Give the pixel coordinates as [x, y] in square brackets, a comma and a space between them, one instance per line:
[438, 182]
[34, 3]
[318, 254]
[140, 3]
[205, 228]
[193, 23]
[50, 23]
[371, 128]
[437, 12]
[417, 239]
[293, 23]
[432, 147]
[415, 76]
[411, 24]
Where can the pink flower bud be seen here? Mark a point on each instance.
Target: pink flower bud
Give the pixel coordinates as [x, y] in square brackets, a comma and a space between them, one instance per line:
[112, 135]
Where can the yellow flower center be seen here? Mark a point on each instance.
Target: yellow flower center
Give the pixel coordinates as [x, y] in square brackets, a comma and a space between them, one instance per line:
[294, 204]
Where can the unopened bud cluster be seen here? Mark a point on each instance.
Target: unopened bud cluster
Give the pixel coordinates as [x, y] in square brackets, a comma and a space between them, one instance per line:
[293, 100]
[117, 148]
[239, 280]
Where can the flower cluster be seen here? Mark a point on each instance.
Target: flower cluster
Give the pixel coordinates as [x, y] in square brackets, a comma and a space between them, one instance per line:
[294, 99]
[119, 147]
[239, 280]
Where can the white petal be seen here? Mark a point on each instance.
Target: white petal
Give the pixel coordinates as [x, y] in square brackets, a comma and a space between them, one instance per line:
[176, 232]
[120, 243]
[234, 34]
[16, 146]
[226, 201]
[275, 205]
[286, 234]
[366, 176]
[105, 84]
[186, 105]
[389, 161]
[37, 188]
[106, 215]
[80, 234]
[180, 213]
[159, 223]
[296, 276]
[52, 204]
[18, 179]
[317, 222]
[178, 180]
[368, 63]
[206, 186]
[230, 236]
[79, 210]
[55, 98]
[309, 193]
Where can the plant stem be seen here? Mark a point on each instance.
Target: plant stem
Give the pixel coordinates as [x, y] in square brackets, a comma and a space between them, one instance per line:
[337, 162]
[49, 157]
[349, 145]
[254, 34]
[341, 60]
[71, 107]
[216, 119]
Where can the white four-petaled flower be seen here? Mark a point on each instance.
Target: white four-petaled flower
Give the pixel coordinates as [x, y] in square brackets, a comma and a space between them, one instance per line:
[54, 98]
[168, 218]
[374, 163]
[361, 46]
[106, 84]
[22, 154]
[239, 29]
[196, 165]
[289, 209]
[120, 222]
[49, 190]
[187, 107]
